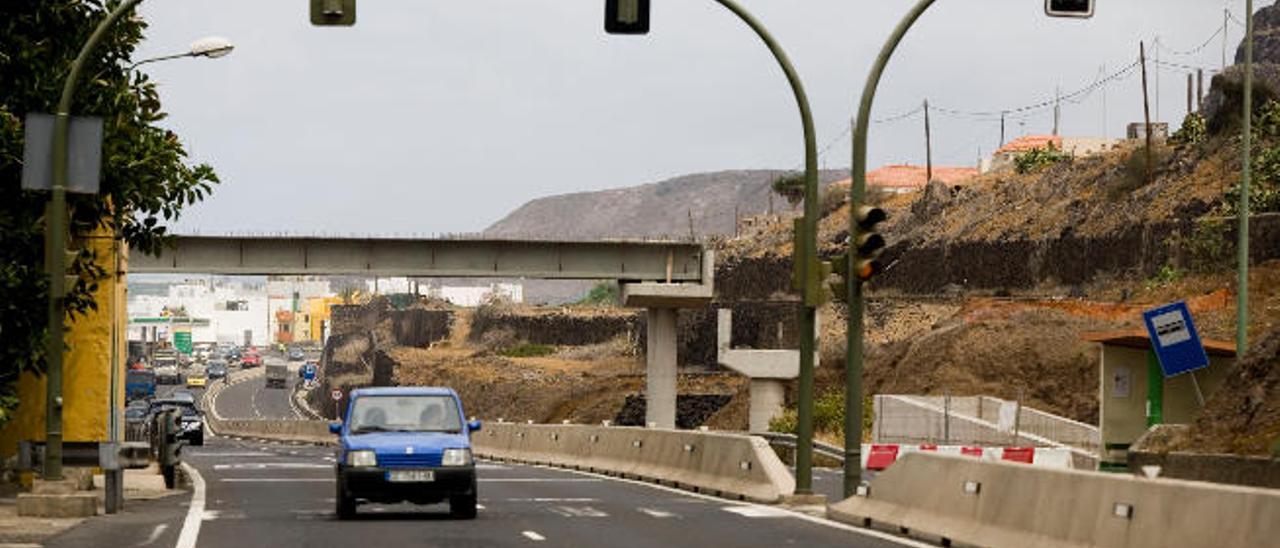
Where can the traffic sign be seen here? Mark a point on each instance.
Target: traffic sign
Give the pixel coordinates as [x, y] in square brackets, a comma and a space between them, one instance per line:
[337, 394]
[309, 372]
[1174, 339]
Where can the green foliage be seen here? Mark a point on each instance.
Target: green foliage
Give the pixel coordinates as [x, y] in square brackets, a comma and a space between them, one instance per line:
[145, 181]
[1206, 248]
[605, 293]
[1168, 274]
[1193, 131]
[790, 187]
[1038, 158]
[528, 350]
[828, 416]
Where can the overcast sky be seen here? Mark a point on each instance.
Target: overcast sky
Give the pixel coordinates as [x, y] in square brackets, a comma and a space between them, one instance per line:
[437, 116]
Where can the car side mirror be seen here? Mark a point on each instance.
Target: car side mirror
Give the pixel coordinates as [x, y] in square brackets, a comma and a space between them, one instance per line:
[473, 426]
[335, 428]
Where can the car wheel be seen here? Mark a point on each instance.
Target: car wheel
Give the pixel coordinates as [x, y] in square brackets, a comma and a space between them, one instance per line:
[463, 506]
[345, 506]
[198, 440]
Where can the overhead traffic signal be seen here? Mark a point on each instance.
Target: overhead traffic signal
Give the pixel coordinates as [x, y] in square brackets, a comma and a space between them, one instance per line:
[626, 16]
[1069, 8]
[333, 13]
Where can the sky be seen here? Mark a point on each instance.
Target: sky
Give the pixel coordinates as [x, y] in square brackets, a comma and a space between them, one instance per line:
[433, 117]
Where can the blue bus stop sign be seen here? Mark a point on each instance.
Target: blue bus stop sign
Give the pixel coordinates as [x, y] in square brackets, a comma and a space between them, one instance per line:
[1174, 339]
[309, 372]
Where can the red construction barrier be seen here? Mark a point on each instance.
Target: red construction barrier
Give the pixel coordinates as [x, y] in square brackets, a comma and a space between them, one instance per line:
[1019, 454]
[928, 447]
[971, 451]
[881, 456]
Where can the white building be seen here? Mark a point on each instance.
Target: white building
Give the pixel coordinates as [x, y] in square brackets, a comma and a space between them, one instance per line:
[236, 311]
[469, 296]
[290, 294]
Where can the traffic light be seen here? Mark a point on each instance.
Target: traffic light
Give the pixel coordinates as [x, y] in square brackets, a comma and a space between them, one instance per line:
[626, 16]
[333, 13]
[866, 247]
[1069, 8]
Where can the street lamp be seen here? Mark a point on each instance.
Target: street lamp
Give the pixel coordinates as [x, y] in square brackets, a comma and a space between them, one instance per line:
[211, 47]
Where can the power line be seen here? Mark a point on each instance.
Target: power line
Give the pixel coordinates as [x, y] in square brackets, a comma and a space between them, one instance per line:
[1232, 16]
[1161, 46]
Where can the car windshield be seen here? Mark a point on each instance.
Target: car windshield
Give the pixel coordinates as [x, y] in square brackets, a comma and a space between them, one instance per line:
[405, 414]
[139, 376]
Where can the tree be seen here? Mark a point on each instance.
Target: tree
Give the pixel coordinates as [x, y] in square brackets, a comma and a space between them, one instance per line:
[790, 187]
[146, 182]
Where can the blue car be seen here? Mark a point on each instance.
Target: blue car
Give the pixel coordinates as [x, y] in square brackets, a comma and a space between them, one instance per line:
[405, 444]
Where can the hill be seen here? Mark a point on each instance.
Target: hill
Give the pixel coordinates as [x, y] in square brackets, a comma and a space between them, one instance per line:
[667, 208]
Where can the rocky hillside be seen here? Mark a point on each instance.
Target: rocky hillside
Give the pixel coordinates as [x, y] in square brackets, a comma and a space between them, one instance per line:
[654, 210]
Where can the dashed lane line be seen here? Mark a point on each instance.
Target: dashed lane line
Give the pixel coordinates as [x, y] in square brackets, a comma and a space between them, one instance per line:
[534, 536]
[653, 512]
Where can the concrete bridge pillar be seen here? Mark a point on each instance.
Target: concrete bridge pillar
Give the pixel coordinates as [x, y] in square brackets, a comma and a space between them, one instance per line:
[662, 300]
[769, 371]
[660, 368]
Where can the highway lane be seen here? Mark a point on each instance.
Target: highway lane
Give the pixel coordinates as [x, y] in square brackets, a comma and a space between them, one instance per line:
[251, 399]
[262, 494]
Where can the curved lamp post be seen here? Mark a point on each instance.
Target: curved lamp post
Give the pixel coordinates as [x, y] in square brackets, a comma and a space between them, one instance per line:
[211, 47]
[806, 257]
[56, 222]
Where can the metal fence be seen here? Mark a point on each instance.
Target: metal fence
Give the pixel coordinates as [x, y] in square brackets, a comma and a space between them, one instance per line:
[975, 420]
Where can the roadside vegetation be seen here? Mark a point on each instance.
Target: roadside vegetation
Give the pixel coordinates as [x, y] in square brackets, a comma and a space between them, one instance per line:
[146, 181]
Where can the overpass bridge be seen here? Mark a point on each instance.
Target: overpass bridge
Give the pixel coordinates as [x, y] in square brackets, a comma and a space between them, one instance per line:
[660, 276]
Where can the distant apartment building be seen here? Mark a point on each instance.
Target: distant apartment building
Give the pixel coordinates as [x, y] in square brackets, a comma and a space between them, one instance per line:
[288, 300]
[468, 296]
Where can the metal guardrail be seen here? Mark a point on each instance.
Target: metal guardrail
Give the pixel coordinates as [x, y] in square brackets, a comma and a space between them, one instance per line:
[789, 441]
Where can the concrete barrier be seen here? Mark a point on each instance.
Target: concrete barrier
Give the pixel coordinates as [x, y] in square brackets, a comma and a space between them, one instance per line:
[301, 430]
[723, 464]
[999, 504]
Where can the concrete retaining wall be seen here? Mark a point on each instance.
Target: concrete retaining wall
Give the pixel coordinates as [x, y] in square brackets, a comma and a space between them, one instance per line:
[1010, 505]
[1253, 471]
[731, 465]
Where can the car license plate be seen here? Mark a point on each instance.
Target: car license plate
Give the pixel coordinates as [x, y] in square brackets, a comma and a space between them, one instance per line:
[408, 476]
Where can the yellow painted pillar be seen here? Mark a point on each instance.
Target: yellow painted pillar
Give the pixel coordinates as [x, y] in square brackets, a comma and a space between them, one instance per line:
[97, 345]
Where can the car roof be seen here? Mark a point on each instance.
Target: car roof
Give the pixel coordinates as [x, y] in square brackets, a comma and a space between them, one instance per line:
[404, 391]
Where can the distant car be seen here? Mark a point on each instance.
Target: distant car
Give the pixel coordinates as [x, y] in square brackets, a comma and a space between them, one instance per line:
[405, 444]
[168, 374]
[183, 395]
[136, 412]
[191, 422]
[139, 384]
[196, 380]
[297, 355]
[232, 354]
[251, 359]
[216, 369]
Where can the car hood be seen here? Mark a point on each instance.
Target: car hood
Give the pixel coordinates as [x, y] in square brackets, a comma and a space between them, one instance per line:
[421, 442]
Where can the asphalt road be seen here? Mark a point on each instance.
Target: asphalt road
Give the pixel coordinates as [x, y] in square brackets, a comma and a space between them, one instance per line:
[273, 495]
[251, 399]
[251, 493]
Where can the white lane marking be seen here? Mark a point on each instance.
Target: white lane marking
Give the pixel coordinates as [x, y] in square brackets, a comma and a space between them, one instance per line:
[273, 466]
[195, 512]
[657, 513]
[578, 512]
[229, 454]
[479, 507]
[253, 402]
[553, 499]
[534, 536]
[757, 511]
[276, 480]
[691, 496]
[539, 480]
[155, 534]
[488, 466]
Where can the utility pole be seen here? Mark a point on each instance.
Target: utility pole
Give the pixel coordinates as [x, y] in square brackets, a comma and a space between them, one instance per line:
[928, 146]
[1199, 89]
[1242, 210]
[1225, 14]
[1146, 107]
[1057, 108]
[1157, 76]
[1002, 113]
[1104, 102]
[1190, 90]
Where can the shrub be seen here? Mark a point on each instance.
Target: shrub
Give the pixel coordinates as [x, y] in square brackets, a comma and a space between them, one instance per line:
[605, 293]
[529, 350]
[790, 187]
[1037, 158]
[1193, 130]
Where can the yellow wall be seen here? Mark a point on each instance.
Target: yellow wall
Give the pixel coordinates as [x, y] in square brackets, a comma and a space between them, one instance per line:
[96, 343]
[318, 310]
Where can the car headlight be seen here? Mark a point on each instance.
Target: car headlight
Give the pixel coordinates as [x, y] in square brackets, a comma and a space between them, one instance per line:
[362, 458]
[456, 457]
